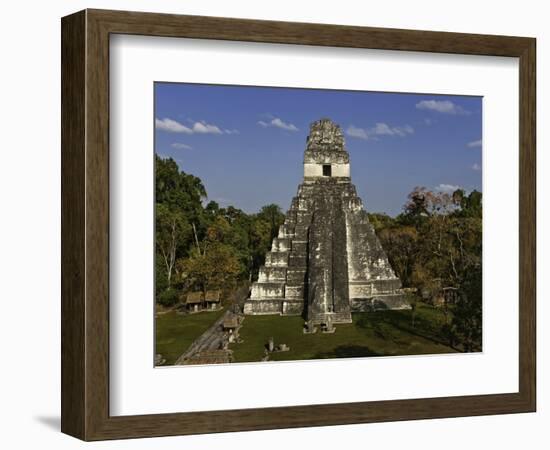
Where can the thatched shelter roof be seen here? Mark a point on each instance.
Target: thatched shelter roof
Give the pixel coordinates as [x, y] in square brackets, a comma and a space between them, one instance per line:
[212, 296]
[194, 297]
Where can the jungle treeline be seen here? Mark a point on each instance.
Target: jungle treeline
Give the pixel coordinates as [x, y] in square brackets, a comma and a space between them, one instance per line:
[434, 246]
[199, 246]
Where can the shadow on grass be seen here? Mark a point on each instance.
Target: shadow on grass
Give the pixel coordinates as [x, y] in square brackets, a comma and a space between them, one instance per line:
[347, 351]
[401, 321]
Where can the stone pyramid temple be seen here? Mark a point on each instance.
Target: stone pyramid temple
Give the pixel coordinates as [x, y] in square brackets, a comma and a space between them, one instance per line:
[326, 261]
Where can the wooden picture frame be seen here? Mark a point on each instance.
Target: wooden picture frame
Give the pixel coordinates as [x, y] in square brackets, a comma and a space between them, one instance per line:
[85, 224]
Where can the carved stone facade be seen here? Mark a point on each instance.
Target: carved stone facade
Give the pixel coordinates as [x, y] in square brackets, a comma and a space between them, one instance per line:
[326, 261]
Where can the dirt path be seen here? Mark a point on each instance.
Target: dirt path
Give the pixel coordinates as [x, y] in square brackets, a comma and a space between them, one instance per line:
[208, 347]
[210, 340]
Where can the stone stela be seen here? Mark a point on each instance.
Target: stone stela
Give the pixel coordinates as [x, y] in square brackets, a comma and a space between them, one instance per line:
[326, 261]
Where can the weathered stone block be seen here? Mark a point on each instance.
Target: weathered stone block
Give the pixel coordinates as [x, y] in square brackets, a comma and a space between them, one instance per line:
[257, 307]
[280, 244]
[270, 274]
[267, 291]
[276, 259]
[380, 302]
[292, 308]
[295, 291]
[295, 275]
[286, 231]
[300, 232]
[299, 246]
[297, 259]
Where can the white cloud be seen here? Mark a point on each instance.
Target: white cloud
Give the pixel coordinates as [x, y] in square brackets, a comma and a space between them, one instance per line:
[380, 129]
[179, 145]
[441, 106]
[226, 131]
[403, 131]
[172, 126]
[201, 127]
[205, 128]
[356, 132]
[477, 143]
[283, 125]
[278, 123]
[447, 188]
[476, 167]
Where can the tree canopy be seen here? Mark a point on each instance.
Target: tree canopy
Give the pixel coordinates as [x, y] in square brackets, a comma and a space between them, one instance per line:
[435, 247]
[200, 247]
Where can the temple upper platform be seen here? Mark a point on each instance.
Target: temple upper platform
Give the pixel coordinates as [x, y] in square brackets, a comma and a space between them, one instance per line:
[326, 155]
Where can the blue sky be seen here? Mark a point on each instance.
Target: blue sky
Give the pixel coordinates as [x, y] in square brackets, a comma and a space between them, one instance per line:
[247, 143]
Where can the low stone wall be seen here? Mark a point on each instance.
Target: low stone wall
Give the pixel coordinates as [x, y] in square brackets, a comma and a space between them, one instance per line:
[368, 289]
[285, 307]
[282, 307]
[380, 302]
[268, 290]
[292, 308]
[335, 318]
[258, 307]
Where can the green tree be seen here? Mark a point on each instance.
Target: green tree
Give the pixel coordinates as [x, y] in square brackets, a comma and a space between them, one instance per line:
[217, 267]
[179, 190]
[380, 221]
[273, 215]
[172, 232]
[402, 247]
[212, 209]
[467, 313]
[178, 211]
[435, 246]
[470, 205]
[260, 232]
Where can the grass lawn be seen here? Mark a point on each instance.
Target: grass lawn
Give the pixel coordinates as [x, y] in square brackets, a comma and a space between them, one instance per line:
[175, 332]
[380, 333]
